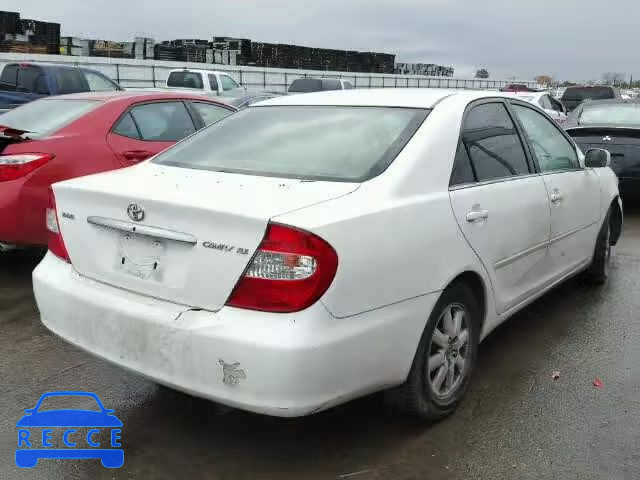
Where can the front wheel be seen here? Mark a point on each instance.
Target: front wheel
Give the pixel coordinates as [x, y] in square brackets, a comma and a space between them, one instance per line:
[598, 271]
[445, 358]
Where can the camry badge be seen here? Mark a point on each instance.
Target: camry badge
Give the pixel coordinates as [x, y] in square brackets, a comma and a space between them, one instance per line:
[606, 139]
[135, 212]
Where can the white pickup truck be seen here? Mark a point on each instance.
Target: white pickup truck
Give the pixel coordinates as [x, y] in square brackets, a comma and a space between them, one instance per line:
[206, 81]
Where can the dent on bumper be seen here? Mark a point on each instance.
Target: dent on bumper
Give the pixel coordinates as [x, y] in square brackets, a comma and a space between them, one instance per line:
[277, 364]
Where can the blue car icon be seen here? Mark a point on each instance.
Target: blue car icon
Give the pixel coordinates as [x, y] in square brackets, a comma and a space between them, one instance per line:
[28, 452]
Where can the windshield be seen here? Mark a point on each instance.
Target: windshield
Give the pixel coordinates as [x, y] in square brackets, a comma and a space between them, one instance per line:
[588, 93]
[46, 116]
[611, 114]
[308, 142]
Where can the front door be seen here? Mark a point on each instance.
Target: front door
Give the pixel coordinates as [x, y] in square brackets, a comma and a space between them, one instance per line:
[501, 204]
[574, 192]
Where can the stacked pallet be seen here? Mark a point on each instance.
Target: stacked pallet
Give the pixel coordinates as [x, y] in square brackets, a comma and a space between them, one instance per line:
[107, 48]
[28, 36]
[74, 46]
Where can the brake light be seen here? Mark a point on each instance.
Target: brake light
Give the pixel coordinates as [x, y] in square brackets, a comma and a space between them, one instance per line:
[290, 271]
[17, 165]
[56, 242]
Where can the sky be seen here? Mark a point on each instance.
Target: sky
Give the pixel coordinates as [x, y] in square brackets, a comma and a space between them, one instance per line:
[568, 39]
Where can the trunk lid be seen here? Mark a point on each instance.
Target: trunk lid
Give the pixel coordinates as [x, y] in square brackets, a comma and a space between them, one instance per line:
[198, 232]
[622, 143]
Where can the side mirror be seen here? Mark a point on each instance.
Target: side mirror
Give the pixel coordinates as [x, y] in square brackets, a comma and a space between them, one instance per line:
[597, 158]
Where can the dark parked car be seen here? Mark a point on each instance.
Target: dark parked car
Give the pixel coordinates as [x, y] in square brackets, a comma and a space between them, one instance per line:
[517, 87]
[21, 83]
[306, 85]
[574, 96]
[613, 125]
[248, 98]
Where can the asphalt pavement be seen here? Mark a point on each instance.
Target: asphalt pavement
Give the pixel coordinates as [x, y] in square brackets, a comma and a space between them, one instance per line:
[516, 422]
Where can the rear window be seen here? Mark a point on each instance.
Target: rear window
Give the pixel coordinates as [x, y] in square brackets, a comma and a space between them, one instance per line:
[304, 85]
[43, 117]
[588, 93]
[611, 114]
[185, 80]
[350, 144]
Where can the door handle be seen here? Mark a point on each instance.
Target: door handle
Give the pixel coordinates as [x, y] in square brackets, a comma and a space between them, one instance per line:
[556, 197]
[476, 215]
[136, 155]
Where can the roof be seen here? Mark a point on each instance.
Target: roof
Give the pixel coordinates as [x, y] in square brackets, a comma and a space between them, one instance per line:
[589, 103]
[534, 95]
[199, 70]
[50, 65]
[128, 95]
[380, 97]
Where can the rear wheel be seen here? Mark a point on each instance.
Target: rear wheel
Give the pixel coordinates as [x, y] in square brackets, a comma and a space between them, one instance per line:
[445, 358]
[598, 271]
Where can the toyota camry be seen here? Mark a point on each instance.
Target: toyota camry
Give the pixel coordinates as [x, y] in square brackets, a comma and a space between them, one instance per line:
[356, 241]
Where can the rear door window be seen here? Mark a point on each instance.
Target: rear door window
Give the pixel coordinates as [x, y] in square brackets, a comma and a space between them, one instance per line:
[228, 83]
[32, 80]
[163, 121]
[556, 105]
[98, 83]
[493, 144]
[127, 127]
[545, 102]
[462, 170]
[210, 113]
[70, 81]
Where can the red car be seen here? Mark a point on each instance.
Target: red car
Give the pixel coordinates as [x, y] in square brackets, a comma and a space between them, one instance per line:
[68, 136]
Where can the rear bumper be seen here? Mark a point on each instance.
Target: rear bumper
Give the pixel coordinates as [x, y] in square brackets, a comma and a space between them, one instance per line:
[276, 364]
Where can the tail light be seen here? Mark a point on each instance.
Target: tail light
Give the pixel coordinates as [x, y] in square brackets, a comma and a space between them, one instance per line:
[56, 243]
[17, 165]
[290, 271]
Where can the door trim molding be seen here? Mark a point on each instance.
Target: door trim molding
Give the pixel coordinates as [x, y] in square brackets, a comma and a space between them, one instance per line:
[505, 262]
[569, 233]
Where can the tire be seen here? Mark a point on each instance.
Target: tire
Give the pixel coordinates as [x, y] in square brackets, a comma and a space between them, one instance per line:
[420, 395]
[598, 271]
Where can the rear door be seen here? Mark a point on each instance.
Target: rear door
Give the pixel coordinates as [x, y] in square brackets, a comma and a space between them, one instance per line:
[574, 191]
[148, 128]
[500, 203]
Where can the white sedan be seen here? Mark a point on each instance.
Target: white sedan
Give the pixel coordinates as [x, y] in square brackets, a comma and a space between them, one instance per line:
[354, 241]
[552, 107]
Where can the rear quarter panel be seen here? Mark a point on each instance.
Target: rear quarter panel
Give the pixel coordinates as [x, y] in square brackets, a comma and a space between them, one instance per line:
[396, 236]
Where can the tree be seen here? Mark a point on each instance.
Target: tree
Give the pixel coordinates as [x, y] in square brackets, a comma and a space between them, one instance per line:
[567, 84]
[482, 73]
[613, 78]
[544, 80]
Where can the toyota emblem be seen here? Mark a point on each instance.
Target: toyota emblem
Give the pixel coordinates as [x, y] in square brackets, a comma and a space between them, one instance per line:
[135, 212]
